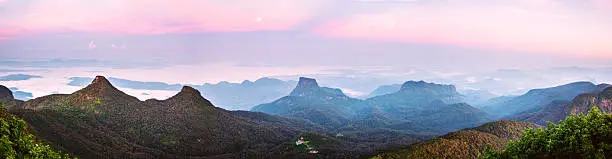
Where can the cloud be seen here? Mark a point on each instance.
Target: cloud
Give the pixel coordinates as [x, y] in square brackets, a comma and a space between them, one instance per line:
[161, 16]
[542, 26]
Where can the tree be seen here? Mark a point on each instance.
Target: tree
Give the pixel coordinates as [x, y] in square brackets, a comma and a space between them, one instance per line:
[17, 142]
[579, 136]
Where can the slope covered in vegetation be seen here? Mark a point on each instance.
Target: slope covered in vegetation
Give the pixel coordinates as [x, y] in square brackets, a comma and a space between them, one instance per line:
[579, 136]
[16, 141]
[467, 143]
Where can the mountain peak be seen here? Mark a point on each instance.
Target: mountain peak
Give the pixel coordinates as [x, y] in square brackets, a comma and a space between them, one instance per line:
[189, 90]
[413, 84]
[100, 83]
[307, 83]
[101, 80]
[579, 87]
[306, 86]
[5, 93]
[190, 94]
[100, 87]
[420, 85]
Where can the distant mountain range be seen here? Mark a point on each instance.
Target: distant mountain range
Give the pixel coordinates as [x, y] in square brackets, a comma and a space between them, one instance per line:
[436, 107]
[231, 96]
[100, 121]
[540, 98]
[245, 95]
[473, 97]
[471, 142]
[558, 110]
[416, 106]
[321, 105]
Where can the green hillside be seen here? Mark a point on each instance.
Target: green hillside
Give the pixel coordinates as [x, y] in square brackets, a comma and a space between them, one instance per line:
[467, 143]
[16, 141]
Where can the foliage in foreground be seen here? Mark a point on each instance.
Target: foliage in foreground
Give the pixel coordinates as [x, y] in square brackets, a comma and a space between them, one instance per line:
[580, 136]
[17, 142]
[467, 143]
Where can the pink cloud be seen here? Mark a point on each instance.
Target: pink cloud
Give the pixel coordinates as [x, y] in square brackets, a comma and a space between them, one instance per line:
[510, 26]
[162, 16]
[7, 33]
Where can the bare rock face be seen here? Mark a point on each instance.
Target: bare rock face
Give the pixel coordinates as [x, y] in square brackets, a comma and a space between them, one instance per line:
[307, 83]
[305, 86]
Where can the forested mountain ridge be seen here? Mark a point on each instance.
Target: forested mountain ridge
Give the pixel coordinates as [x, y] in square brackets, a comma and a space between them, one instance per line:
[537, 98]
[101, 121]
[558, 110]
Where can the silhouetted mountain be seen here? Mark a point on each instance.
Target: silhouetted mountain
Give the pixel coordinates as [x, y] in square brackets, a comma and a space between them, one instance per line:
[232, 96]
[100, 121]
[467, 143]
[5, 93]
[559, 110]
[245, 95]
[7, 98]
[435, 107]
[418, 107]
[541, 97]
[414, 93]
[386, 89]
[326, 106]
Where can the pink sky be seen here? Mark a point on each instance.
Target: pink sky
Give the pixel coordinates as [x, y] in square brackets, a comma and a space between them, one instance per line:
[571, 27]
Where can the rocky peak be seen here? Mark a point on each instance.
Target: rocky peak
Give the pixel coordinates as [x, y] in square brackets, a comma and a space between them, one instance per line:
[307, 83]
[306, 86]
[5, 93]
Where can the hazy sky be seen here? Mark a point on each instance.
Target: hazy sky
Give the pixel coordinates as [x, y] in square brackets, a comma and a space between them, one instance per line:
[247, 39]
[312, 32]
